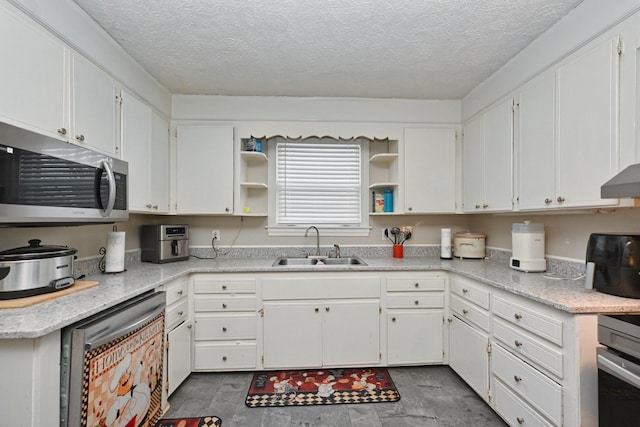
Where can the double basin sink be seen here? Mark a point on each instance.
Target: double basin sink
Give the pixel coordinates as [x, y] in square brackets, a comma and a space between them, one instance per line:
[301, 262]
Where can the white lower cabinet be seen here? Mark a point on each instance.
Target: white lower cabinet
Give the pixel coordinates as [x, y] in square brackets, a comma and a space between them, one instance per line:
[321, 320]
[468, 355]
[415, 315]
[225, 314]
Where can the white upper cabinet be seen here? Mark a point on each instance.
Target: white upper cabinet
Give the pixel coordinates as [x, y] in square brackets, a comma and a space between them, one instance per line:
[33, 94]
[94, 107]
[587, 101]
[204, 170]
[429, 170]
[567, 131]
[487, 160]
[145, 146]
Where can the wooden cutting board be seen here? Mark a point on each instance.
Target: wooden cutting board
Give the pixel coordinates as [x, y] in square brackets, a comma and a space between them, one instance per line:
[23, 302]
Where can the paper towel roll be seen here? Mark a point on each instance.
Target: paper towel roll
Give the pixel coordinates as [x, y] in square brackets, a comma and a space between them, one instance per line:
[445, 243]
[114, 258]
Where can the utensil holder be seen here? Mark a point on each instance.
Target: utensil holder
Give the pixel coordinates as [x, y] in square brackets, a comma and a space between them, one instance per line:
[398, 251]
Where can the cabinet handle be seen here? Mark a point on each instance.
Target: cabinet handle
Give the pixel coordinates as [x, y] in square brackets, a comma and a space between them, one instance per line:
[180, 313]
[560, 199]
[224, 358]
[224, 287]
[465, 311]
[224, 305]
[417, 285]
[317, 310]
[62, 131]
[180, 292]
[224, 329]
[517, 378]
[547, 201]
[393, 319]
[520, 420]
[465, 291]
[416, 302]
[518, 343]
[326, 309]
[518, 316]
[477, 206]
[484, 205]
[80, 138]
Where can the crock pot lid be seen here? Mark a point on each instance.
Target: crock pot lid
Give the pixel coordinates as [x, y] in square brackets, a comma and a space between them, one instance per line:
[35, 251]
[471, 235]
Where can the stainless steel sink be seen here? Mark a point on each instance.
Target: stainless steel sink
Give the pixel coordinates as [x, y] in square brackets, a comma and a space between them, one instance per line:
[319, 262]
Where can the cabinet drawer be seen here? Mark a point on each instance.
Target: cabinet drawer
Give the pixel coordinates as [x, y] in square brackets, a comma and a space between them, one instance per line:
[320, 286]
[225, 327]
[224, 355]
[176, 290]
[529, 347]
[470, 291]
[514, 410]
[416, 283]
[470, 312]
[203, 285]
[534, 387]
[224, 303]
[176, 314]
[415, 300]
[528, 318]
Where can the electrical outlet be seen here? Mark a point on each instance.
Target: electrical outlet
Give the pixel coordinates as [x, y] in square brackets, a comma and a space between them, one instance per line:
[215, 235]
[384, 237]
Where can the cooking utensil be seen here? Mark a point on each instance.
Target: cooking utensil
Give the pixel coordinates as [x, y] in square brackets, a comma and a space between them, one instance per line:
[395, 231]
[386, 234]
[35, 269]
[405, 236]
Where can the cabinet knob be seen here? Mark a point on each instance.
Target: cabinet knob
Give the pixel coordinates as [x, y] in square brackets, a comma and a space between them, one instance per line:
[224, 287]
[180, 292]
[517, 316]
[477, 206]
[465, 311]
[393, 319]
[520, 420]
[326, 309]
[148, 205]
[227, 209]
[317, 310]
[547, 201]
[80, 137]
[417, 285]
[224, 358]
[517, 378]
[180, 313]
[465, 291]
[62, 131]
[416, 302]
[560, 199]
[224, 305]
[224, 329]
[484, 205]
[189, 326]
[518, 343]
[410, 208]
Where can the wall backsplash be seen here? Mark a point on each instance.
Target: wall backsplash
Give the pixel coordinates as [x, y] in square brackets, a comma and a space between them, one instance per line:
[566, 234]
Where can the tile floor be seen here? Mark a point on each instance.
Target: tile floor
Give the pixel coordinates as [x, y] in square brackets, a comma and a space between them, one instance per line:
[430, 396]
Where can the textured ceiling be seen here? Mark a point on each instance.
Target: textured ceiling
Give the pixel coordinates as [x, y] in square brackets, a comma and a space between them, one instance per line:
[429, 49]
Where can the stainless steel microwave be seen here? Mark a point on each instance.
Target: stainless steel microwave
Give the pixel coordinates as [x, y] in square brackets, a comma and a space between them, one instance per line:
[44, 181]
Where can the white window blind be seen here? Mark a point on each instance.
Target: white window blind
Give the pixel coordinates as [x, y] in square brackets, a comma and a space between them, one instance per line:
[318, 183]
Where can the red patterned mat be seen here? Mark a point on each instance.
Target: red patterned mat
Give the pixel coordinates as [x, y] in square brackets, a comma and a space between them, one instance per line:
[190, 422]
[321, 387]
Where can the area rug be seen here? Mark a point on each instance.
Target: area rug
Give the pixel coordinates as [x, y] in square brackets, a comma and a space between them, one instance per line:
[321, 387]
[190, 422]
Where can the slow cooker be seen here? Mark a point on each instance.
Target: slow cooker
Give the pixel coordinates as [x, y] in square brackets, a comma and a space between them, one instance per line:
[469, 245]
[35, 269]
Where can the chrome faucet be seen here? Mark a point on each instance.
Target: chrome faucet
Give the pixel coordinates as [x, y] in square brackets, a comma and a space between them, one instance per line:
[337, 249]
[306, 233]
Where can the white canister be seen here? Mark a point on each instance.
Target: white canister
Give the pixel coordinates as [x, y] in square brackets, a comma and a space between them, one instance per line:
[469, 245]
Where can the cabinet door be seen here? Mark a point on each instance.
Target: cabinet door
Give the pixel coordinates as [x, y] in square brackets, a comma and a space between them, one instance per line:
[178, 356]
[429, 170]
[136, 129]
[468, 355]
[351, 333]
[159, 167]
[414, 337]
[536, 143]
[94, 107]
[32, 77]
[292, 334]
[472, 191]
[204, 170]
[587, 124]
[497, 158]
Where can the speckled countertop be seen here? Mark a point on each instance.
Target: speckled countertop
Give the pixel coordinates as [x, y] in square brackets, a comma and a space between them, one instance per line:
[40, 319]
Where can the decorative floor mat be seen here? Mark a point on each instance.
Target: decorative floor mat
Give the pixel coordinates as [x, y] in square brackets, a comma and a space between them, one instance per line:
[190, 422]
[321, 387]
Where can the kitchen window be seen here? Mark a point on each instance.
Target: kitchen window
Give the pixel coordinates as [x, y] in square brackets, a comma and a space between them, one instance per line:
[319, 181]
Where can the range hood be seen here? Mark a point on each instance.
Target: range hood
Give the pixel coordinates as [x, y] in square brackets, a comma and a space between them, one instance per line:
[624, 184]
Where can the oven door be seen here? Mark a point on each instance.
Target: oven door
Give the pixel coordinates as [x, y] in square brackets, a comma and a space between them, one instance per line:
[618, 390]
